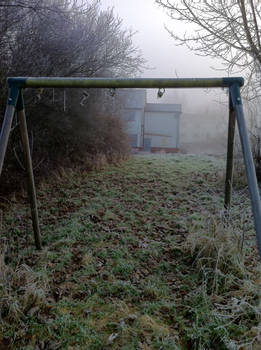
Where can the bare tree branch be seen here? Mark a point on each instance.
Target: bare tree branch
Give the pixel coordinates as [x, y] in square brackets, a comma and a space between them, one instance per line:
[225, 29]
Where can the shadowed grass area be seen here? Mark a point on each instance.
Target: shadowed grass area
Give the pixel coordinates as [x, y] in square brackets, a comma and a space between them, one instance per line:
[137, 256]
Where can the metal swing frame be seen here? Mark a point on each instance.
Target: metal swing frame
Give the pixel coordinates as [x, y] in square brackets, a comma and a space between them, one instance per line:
[15, 102]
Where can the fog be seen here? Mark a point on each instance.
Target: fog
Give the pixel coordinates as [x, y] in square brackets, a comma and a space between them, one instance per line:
[204, 118]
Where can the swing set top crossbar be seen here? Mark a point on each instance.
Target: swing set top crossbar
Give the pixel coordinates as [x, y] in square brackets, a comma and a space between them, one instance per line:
[56, 82]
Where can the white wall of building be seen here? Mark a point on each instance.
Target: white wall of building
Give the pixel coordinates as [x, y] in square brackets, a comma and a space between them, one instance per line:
[151, 125]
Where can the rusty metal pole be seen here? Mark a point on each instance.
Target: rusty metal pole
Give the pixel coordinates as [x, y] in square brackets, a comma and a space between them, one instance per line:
[7, 123]
[29, 169]
[230, 154]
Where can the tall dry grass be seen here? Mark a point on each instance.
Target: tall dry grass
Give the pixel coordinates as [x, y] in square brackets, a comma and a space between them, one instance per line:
[22, 293]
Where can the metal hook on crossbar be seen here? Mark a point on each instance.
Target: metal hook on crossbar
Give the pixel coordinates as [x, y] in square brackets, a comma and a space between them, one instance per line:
[85, 96]
[112, 92]
[161, 92]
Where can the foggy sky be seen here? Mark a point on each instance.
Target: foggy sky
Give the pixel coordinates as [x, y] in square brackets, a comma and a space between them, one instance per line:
[202, 110]
[159, 49]
[164, 58]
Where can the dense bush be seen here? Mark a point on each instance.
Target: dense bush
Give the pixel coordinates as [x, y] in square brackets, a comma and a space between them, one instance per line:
[63, 38]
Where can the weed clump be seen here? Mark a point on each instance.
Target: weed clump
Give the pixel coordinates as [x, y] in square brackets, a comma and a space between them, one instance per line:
[226, 304]
[217, 254]
[22, 294]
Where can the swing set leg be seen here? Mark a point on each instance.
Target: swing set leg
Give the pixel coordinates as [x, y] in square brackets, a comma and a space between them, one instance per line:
[15, 101]
[230, 155]
[29, 169]
[7, 124]
[248, 160]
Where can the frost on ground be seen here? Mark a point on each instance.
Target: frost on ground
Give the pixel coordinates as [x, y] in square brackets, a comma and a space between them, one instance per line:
[136, 256]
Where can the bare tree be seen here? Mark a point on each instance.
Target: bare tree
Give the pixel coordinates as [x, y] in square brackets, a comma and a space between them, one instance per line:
[67, 38]
[83, 41]
[227, 29]
[64, 38]
[12, 14]
[15, 11]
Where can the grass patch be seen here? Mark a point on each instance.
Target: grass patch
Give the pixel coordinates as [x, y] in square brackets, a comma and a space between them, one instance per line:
[140, 256]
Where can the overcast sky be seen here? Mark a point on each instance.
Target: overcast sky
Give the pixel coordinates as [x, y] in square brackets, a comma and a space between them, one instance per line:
[158, 48]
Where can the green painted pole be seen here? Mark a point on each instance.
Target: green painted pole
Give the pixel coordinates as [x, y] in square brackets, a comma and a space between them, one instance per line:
[55, 82]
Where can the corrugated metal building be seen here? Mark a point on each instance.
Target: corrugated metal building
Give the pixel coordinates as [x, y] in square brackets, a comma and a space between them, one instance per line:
[152, 126]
